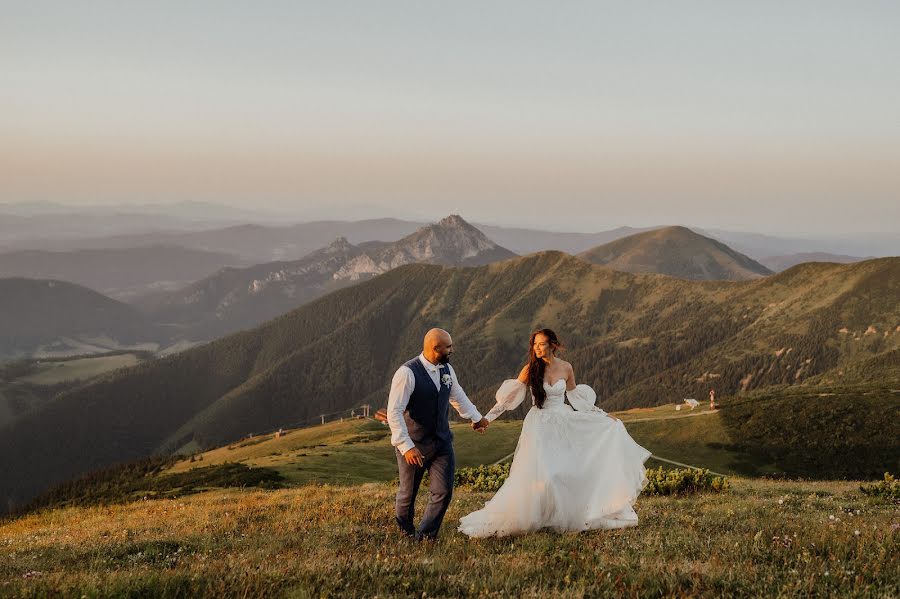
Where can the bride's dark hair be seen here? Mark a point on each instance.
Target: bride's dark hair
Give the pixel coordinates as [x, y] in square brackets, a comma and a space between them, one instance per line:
[536, 366]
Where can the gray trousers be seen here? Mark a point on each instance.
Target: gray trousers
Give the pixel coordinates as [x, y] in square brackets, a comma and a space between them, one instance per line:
[440, 462]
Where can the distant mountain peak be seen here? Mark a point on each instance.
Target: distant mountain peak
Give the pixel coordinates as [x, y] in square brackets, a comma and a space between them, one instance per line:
[454, 223]
[340, 244]
[676, 251]
[450, 241]
[675, 230]
[454, 220]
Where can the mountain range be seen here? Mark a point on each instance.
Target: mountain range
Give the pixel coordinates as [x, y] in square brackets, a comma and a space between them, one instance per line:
[238, 298]
[121, 273]
[259, 236]
[638, 339]
[254, 243]
[169, 285]
[50, 225]
[174, 289]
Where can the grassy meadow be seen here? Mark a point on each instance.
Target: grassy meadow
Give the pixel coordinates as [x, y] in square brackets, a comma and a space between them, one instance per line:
[329, 530]
[356, 451]
[763, 538]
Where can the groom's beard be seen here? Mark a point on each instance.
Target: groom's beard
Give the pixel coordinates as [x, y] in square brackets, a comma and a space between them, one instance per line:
[444, 359]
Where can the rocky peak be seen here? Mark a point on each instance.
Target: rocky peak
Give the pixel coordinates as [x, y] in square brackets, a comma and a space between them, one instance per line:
[341, 244]
[454, 220]
[451, 238]
[450, 241]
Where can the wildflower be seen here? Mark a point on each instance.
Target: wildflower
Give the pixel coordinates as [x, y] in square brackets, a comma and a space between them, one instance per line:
[856, 532]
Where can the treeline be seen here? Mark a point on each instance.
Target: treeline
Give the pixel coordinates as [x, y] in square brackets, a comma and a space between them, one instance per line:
[825, 432]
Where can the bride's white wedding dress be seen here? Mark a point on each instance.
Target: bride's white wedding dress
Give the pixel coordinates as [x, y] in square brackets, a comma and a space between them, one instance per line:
[573, 469]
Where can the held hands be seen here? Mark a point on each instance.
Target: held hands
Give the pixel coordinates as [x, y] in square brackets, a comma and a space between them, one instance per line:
[414, 457]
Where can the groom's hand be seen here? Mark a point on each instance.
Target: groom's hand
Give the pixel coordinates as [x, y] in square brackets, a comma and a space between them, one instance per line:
[414, 457]
[481, 425]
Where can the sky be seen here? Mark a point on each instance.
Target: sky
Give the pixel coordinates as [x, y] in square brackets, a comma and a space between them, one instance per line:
[766, 116]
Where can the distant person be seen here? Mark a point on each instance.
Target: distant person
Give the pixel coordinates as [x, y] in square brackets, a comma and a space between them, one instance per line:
[422, 391]
[575, 467]
[712, 399]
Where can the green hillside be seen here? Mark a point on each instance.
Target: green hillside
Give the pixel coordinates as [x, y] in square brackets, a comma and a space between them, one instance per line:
[818, 433]
[27, 384]
[358, 450]
[833, 432]
[37, 312]
[781, 433]
[310, 514]
[639, 340]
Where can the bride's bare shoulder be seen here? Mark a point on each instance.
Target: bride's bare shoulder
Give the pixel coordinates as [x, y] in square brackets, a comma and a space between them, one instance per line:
[523, 374]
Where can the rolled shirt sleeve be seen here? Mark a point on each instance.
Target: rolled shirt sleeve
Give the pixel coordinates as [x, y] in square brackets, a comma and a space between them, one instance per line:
[460, 401]
[402, 386]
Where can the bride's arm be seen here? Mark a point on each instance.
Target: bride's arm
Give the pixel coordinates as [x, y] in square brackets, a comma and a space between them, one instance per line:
[523, 375]
[570, 379]
[510, 394]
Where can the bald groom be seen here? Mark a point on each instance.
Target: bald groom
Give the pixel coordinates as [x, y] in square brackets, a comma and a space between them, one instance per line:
[422, 391]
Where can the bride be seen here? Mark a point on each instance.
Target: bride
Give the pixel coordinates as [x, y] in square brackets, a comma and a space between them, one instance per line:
[575, 468]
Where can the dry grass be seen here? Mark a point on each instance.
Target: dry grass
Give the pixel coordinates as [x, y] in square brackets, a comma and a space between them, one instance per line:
[764, 538]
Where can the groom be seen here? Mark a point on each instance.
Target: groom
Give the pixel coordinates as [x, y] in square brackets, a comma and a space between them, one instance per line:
[422, 391]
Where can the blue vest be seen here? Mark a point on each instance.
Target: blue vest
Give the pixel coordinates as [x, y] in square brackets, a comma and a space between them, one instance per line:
[427, 413]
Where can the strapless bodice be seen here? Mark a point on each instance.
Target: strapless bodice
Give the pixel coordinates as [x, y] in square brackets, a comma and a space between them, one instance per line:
[556, 394]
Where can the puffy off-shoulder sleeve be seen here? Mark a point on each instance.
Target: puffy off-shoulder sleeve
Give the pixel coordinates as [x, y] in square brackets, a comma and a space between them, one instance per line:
[582, 398]
[509, 396]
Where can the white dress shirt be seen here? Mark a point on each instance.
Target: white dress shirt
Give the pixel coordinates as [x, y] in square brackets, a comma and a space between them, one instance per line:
[402, 386]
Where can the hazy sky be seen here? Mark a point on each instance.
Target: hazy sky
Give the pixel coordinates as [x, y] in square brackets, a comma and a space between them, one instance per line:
[768, 116]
